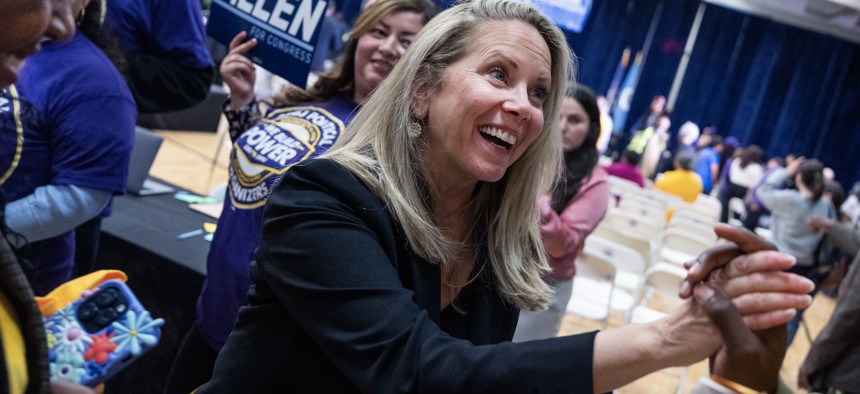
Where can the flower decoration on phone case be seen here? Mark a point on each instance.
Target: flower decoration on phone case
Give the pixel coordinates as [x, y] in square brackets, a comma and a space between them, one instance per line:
[95, 336]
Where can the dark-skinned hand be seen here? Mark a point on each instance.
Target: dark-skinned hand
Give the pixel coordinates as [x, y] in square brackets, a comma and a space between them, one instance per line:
[750, 358]
[749, 272]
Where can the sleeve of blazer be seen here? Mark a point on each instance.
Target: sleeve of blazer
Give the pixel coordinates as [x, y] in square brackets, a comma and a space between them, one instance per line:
[321, 256]
[842, 327]
[845, 237]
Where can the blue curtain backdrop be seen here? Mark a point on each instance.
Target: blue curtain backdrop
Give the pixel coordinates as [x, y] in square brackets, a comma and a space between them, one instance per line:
[785, 89]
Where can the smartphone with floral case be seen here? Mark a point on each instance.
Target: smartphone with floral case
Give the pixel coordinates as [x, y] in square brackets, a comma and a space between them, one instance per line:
[97, 335]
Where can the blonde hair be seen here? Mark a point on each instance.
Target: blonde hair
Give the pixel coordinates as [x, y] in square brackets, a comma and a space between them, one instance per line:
[378, 149]
[342, 79]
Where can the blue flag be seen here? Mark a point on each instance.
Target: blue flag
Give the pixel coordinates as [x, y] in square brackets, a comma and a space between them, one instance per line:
[622, 107]
[286, 32]
[567, 14]
[612, 93]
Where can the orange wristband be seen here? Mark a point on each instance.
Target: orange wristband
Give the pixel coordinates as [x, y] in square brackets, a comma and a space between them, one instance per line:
[736, 387]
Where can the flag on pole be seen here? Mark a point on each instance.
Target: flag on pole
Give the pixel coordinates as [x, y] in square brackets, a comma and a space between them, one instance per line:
[567, 14]
[612, 93]
[626, 94]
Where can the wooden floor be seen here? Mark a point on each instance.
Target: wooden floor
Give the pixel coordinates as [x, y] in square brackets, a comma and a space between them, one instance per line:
[188, 159]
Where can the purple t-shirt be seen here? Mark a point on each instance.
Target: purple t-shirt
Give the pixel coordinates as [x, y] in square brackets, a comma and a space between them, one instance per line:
[73, 124]
[286, 136]
[164, 28]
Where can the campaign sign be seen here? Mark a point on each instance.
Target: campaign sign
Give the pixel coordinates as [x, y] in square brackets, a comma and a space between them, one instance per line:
[567, 14]
[286, 32]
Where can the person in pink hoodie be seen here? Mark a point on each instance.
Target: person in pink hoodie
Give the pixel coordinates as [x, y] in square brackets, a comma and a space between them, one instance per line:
[573, 209]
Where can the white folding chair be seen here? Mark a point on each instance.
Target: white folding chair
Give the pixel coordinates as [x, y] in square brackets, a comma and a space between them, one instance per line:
[629, 268]
[654, 211]
[642, 227]
[678, 246]
[623, 183]
[668, 200]
[639, 243]
[593, 286]
[689, 211]
[663, 278]
[666, 280]
[709, 204]
[693, 227]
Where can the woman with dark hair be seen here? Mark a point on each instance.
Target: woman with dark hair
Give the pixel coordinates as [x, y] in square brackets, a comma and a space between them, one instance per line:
[300, 125]
[66, 141]
[568, 214]
[744, 172]
[790, 210]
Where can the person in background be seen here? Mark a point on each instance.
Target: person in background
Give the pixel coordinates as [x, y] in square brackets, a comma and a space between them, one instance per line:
[708, 163]
[650, 117]
[399, 261]
[655, 147]
[851, 206]
[67, 139]
[756, 213]
[789, 212]
[687, 136]
[744, 172]
[682, 181]
[307, 123]
[23, 346]
[730, 147]
[831, 364]
[571, 212]
[606, 124]
[331, 40]
[627, 168]
[164, 41]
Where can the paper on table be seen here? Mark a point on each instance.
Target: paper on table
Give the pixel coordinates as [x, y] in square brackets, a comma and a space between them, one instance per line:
[211, 209]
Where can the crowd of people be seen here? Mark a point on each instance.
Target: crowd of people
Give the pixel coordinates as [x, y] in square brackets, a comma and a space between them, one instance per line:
[460, 176]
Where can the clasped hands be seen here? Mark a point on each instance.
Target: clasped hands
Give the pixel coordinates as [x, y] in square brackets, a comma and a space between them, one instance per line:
[740, 286]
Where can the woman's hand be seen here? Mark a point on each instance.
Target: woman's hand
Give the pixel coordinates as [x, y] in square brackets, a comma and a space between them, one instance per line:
[238, 71]
[765, 296]
[750, 358]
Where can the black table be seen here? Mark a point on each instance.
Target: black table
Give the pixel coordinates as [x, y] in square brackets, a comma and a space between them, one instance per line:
[166, 274]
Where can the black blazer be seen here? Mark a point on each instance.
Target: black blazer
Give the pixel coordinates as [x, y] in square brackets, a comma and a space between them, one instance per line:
[340, 303]
[834, 357]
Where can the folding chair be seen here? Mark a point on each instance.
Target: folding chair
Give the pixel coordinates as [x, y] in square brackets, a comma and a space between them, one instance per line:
[629, 268]
[666, 280]
[678, 246]
[593, 286]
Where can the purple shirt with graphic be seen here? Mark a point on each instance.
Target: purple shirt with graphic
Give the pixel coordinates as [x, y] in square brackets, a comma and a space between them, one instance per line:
[285, 136]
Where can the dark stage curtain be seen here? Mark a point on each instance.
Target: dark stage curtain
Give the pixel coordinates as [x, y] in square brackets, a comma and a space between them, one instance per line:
[785, 89]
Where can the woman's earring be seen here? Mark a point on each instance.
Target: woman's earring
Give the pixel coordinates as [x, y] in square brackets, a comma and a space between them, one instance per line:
[414, 130]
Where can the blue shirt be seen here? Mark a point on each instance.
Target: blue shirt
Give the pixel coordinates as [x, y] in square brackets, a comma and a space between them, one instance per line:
[707, 157]
[284, 137]
[73, 125]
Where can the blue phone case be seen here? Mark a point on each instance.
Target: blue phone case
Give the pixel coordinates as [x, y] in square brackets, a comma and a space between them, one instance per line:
[96, 336]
